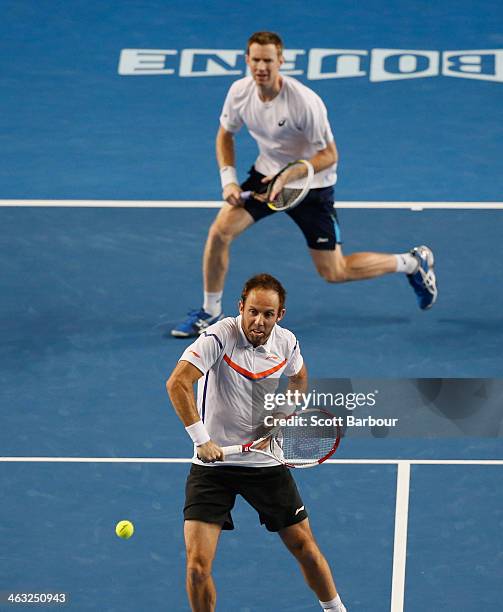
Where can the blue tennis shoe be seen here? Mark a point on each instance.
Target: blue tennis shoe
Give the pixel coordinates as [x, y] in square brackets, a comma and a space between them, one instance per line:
[423, 280]
[195, 324]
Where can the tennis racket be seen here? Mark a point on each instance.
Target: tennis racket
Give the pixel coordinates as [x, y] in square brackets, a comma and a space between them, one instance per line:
[305, 441]
[299, 174]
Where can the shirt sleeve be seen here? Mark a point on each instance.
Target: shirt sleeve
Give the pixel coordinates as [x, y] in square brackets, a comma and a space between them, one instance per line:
[316, 125]
[295, 362]
[230, 119]
[204, 352]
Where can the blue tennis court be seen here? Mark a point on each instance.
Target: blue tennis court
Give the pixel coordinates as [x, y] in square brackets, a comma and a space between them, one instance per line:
[108, 186]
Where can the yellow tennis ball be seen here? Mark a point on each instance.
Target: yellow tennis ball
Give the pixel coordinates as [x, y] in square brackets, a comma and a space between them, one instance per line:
[124, 529]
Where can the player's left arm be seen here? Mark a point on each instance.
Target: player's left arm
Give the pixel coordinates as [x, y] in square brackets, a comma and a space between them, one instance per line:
[297, 385]
[325, 158]
[298, 382]
[320, 161]
[318, 132]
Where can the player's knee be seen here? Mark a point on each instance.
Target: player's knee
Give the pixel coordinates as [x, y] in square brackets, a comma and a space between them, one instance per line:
[219, 233]
[307, 552]
[332, 273]
[198, 570]
[331, 266]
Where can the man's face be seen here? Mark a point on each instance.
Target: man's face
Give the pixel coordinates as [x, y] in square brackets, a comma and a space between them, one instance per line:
[264, 62]
[260, 313]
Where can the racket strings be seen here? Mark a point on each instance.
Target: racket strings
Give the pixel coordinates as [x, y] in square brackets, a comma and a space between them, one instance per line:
[304, 444]
[286, 197]
[290, 195]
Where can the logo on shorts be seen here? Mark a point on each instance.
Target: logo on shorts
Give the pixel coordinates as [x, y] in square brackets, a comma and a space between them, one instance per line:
[299, 510]
[282, 122]
[318, 240]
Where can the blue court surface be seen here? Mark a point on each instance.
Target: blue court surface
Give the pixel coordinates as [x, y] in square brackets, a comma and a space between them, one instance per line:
[120, 102]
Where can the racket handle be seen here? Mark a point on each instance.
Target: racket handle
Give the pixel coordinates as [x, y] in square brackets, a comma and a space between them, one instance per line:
[237, 449]
[246, 195]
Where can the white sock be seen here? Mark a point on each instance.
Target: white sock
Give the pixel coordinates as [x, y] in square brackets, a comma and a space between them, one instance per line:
[405, 262]
[213, 303]
[335, 605]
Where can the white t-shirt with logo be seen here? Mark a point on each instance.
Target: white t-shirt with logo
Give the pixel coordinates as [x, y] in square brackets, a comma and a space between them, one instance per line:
[235, 376]
[294, 125]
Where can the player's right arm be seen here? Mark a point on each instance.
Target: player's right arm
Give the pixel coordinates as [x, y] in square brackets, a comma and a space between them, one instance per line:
[226, 162]
[180, 387]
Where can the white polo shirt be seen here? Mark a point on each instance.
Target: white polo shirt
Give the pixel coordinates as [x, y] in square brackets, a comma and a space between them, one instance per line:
[294, 125]
[235, 374]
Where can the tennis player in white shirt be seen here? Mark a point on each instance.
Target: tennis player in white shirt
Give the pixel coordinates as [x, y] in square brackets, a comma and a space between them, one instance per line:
[288, 121]
[226, 361]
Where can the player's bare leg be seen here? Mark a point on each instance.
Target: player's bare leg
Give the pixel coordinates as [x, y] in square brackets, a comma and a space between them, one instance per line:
[300, 542]
[417, 264]
[201, 541]
[335, 267]
[228, 224]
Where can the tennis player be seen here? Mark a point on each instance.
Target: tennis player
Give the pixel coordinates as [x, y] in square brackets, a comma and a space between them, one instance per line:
[228, 360]
[288, 121]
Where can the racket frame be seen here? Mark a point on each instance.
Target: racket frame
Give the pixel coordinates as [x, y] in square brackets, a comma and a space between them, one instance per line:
[246, 195]
[237, 449]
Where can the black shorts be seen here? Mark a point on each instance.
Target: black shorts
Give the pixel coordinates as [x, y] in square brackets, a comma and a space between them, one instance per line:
[315, 215]
[210, 494]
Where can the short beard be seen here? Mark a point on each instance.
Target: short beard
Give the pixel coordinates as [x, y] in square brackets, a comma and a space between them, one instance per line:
[260, 342]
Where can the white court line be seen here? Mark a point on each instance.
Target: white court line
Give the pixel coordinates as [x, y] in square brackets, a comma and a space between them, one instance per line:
[400, 545]
[218, 204]
[188, 460]
[401, 509]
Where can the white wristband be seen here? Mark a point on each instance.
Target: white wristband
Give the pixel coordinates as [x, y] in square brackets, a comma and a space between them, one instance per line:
[198, 432]
[228, 175]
